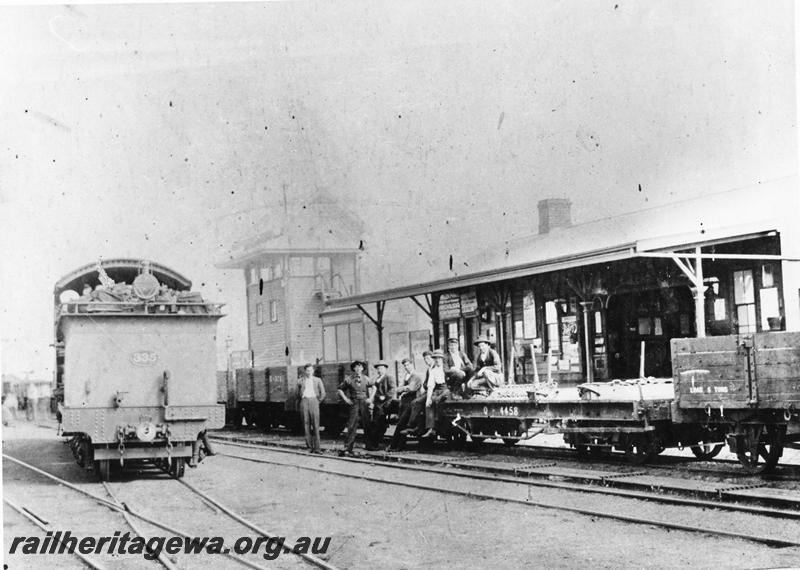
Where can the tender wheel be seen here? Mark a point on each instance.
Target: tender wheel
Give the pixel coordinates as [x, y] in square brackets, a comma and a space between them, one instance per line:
[639, 450]
[103, 469]
[707, 451]
[761, 448]
[178, 467]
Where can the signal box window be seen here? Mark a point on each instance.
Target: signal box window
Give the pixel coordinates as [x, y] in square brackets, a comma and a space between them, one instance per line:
[273, 311]
[259, 314]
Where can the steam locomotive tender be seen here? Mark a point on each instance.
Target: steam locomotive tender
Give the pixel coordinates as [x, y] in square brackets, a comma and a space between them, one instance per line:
[135, 366]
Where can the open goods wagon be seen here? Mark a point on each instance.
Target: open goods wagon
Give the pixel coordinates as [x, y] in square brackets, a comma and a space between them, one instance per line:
[266, 397]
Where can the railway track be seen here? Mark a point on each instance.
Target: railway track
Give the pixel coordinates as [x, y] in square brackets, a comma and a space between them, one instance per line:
[124, 508]
[752, 491]
[718, 466]
[471, 476]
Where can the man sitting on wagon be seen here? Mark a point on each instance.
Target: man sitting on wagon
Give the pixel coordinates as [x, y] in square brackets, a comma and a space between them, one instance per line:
[408, 393]
[489, 368]
[416, 412]
[436, 393]
[458, 369]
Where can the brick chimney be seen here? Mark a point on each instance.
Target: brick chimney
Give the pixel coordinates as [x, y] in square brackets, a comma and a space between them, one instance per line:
[554, 213]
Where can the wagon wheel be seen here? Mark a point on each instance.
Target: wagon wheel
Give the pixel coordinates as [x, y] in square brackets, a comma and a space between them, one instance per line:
[457, 439]
[333, 427]
[707, 450]
[178, 467]
[510, 441]
[103, 469]
[477, 439]
[640, 449]
[761, 448]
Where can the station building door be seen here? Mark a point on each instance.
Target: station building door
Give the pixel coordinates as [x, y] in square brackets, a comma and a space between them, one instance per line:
[651, 316]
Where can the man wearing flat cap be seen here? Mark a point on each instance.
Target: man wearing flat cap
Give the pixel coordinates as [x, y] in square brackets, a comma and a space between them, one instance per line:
[457, 368]
[353, 391]
[383, 399]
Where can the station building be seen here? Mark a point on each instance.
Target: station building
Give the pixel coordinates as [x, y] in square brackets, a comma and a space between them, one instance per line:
[603, 299]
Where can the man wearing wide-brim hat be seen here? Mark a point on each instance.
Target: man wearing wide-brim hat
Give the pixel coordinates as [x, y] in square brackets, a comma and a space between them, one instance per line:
[437, 392]
[353, 391]
[383, 398]
[489, 367]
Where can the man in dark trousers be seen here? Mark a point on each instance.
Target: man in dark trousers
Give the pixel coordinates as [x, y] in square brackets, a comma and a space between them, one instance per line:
[488, 368]
[310, 392]
[383, 399]
[457, 368]
[353, 392]
[417, 413]
[408, 392]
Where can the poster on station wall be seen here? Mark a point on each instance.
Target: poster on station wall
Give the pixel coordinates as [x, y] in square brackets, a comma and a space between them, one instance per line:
[570, 341]
[449, 306]
[469, 302]
[529, 315]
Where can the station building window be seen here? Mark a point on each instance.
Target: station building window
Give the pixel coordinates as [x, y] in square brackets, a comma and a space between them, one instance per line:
[343, 342]
[323, 270]
[301, 266]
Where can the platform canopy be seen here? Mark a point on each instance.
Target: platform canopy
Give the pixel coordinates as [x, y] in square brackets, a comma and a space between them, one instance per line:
[121, 270]
[670, 231]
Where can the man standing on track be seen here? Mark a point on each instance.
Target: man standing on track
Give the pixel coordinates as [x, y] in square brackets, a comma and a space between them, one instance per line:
[310, 392]
[353, 392]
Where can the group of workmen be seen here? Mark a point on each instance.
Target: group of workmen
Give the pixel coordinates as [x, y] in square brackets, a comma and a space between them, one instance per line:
[417, 399]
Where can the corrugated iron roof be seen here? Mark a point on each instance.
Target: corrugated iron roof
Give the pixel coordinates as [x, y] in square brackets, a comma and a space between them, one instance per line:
[673, 226]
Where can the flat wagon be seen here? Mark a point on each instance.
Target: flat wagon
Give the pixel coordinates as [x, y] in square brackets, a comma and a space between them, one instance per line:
[743, 390]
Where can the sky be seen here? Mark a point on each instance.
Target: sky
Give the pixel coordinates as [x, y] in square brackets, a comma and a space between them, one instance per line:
[174, 131]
